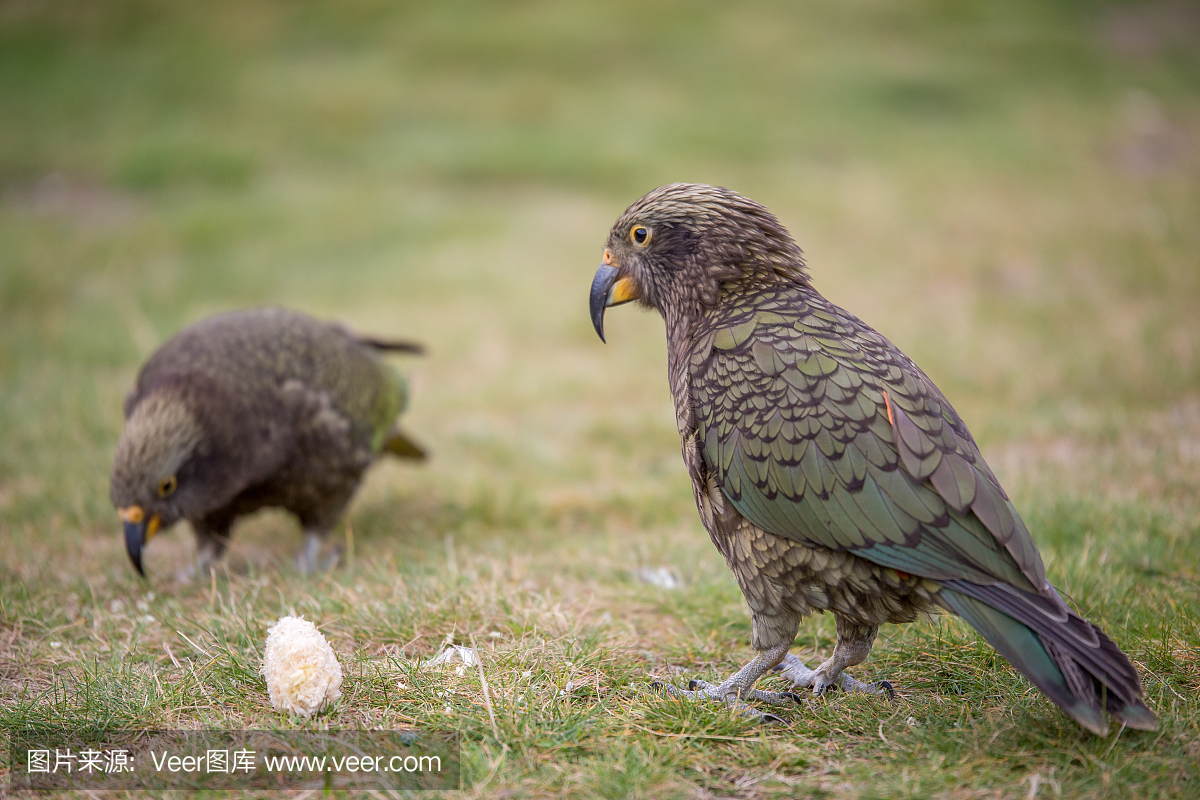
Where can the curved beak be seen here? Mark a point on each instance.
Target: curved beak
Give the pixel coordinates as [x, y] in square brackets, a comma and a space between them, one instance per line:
[138, 531]
[608, 291]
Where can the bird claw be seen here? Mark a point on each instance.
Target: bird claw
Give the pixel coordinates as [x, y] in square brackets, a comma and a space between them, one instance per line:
[309, 560]
[800, 674]
[199, 568]
[779, 698]
[331, 561]
[702, 690]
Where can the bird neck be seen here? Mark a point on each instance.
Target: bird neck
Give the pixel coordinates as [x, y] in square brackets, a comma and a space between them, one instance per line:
[737, 260]
[733, 288]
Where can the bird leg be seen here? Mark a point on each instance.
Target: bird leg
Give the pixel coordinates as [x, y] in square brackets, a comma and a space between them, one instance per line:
[738, 687]
[308, 560]
[853, 646]
[210, 546]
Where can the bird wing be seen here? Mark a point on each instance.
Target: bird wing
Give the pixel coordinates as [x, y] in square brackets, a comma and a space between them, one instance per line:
[251, 355]
[819, 430]
[389, 401]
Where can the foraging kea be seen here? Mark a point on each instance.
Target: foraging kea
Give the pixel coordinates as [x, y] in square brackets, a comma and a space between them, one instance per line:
[253, 409]
[830, 472]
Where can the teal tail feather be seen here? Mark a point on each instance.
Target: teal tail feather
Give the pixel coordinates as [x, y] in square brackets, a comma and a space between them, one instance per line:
[1072, 661]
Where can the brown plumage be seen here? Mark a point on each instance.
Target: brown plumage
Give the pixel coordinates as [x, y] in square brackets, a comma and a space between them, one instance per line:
[254, 409]
[829, 470]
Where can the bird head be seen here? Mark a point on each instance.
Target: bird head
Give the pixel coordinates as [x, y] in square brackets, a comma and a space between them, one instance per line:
[154, 477]
[676, 247]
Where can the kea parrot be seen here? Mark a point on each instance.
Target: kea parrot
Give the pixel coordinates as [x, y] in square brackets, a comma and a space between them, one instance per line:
[829, 470]
[253, 409]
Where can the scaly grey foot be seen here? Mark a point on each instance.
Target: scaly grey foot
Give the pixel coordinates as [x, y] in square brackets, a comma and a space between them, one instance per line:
[307, 559]
[331, 561]
[199, 568]
[730, 696]
[800, 674]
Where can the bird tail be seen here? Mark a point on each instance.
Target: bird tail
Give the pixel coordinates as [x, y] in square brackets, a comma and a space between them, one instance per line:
[393, 345]
[399, 444]
[1064, 655]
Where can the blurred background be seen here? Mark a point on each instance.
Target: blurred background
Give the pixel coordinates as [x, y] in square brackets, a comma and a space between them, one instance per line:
[1007, 190]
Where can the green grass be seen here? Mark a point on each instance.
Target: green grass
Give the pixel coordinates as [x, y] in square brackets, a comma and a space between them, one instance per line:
[1007, 190]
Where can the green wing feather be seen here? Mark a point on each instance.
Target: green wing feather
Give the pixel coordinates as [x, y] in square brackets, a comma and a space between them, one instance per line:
[821, 431]
[361, 385]
[389, 400]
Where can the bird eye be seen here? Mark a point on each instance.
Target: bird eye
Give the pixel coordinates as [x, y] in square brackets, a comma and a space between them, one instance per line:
[167, 485]
[639, 235]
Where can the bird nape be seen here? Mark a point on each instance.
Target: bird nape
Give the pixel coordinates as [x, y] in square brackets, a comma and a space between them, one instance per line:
[830, 472]
[254, 409]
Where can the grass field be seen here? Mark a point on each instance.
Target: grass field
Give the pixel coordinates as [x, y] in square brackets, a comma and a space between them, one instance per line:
[1009, 191]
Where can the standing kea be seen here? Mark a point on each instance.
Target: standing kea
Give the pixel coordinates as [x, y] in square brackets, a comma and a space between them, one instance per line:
[253, 409]
[829, 470]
